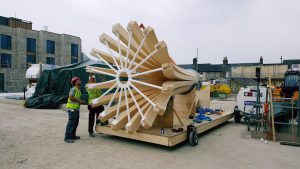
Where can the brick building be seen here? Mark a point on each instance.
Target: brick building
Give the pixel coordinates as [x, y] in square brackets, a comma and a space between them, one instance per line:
[21, 46]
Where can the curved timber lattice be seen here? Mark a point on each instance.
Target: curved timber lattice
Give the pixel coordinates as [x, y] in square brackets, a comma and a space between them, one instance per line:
[144, 77]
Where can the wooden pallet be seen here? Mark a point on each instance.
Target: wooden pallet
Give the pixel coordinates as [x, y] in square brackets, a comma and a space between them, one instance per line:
[169, 138]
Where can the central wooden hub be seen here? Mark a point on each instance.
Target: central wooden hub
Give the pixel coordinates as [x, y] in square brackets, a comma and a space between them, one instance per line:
[123, 78]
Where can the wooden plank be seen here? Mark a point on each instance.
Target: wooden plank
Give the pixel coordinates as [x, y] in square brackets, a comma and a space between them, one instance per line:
[104, 116]
[149, 118]
[171, 86]
[136, 136]
[137, 96]
[167, 119]
[193, 107]
[170, 138]
[106, 99]
[184, 71]
[135, 123]
[151, 41]
[154, 75]
[163, 53]
[91, 68]
[133, 109]
[164, 98]
[137, 35]
[161, 107]
[178, 118]
[204, 96]
[272, 110]
[210, 124]
[172, 73]
[114, 46]
[162, 102]
[119, 123]
[184, 105]
[106, 56]
[124, 37]
[109, 59]
[101, 85]
[153, 81]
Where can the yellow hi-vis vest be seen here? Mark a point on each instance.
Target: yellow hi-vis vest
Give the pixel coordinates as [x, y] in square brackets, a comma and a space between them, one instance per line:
[93, 93]
[74, 105]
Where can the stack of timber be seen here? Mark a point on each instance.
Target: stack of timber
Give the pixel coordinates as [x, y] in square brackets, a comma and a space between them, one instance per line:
[146, 82]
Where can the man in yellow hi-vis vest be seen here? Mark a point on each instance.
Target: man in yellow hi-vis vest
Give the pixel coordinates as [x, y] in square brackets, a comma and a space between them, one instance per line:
[93, 111]
[73, 107]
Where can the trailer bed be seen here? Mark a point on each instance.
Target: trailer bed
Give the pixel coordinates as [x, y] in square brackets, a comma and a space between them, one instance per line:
[169, 138]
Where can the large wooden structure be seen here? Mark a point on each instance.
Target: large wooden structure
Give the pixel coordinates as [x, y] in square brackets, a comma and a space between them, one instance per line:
[148, 89]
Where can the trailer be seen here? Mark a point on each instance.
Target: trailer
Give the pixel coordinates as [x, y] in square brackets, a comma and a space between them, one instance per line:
[169, 138]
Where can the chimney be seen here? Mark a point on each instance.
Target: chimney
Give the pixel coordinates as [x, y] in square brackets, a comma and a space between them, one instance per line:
[261, 60]
[225, 61]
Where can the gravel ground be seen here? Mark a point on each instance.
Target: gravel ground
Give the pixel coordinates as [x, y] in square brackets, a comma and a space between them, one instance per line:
[34, 139]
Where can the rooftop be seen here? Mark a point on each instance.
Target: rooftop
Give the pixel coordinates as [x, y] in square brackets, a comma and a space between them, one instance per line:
[207, 67]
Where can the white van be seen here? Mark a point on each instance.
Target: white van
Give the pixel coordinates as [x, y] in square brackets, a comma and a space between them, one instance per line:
[246, 101]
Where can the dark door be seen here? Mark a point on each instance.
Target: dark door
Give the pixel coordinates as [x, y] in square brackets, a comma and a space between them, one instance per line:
[1, 82]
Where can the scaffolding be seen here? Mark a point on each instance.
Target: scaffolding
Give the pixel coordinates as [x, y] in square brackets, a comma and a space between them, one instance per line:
[281, 122]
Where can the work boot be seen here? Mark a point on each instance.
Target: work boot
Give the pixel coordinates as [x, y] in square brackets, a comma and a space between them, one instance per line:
[69, 141]
[97, 121]
[75, 137]
[92, 135]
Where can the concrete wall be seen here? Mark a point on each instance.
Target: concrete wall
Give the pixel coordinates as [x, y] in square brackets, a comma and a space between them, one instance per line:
[15, 76]
[212, 75]
[276, 71]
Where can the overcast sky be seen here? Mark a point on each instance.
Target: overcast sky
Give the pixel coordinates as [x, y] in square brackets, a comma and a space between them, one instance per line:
[242, 30]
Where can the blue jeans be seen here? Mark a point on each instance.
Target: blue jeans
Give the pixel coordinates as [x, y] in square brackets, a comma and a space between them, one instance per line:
[72, 124]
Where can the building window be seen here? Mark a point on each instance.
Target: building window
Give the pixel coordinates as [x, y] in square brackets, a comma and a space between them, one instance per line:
[5, 60]
[5, 41]
[31, 59]
[50, 61]
[50, 47]
[31, 45]
[74, 53]
[74, 60]
[74, 50]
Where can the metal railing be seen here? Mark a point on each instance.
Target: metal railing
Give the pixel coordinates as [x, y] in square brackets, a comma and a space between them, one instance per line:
[291, 113]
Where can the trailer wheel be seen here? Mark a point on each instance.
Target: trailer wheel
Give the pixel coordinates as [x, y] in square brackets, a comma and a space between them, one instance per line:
[193, 137]
[237, 118]
[237, 115]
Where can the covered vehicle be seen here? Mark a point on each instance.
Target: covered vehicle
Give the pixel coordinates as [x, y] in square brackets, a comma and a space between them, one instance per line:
[54, 85]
